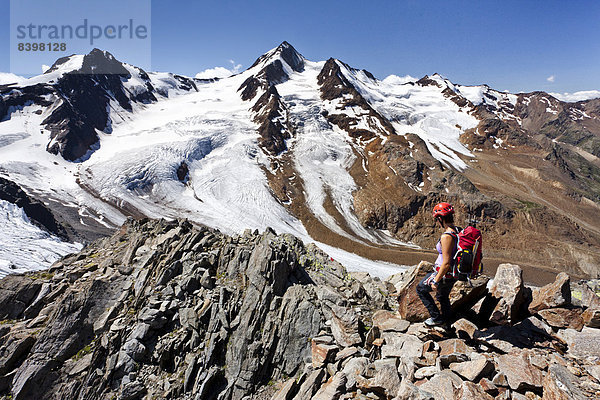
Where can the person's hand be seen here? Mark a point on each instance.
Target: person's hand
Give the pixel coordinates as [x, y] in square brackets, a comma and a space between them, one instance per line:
[434, 284]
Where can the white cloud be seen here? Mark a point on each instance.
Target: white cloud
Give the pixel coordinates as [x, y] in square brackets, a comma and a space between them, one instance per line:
[398, 80]
[6, 78]
[550, 78]
[220, 72]
[45, 68]
[217, 72]
[577, 96]
[235, 68]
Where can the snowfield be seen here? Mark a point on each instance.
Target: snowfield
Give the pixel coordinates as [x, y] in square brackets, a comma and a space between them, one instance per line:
[212, 133]
[25, 247]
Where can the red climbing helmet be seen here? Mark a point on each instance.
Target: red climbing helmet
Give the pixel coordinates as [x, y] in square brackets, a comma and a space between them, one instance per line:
[442, 209]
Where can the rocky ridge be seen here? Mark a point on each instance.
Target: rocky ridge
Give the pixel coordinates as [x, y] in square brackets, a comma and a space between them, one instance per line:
[168, 310]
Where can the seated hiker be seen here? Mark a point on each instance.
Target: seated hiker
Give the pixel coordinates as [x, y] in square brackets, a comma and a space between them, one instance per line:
[442, 278]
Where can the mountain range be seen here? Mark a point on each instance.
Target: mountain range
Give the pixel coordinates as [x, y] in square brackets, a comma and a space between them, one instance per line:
[321, 150]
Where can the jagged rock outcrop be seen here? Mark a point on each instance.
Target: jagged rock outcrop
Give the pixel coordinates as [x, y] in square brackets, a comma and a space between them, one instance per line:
[168, 310]
[165, 309]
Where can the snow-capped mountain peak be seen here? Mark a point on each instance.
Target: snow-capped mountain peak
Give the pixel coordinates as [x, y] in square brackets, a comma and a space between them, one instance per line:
[286, 53]
[318, 149]
[95, 62]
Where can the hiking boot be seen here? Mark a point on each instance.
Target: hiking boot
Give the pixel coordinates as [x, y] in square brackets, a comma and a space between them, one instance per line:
[434, 322]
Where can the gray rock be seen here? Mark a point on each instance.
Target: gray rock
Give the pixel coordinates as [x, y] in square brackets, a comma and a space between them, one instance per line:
[426, 372]
[188, 318]
[401, 345]
[135, 349]
[140, 331]
[589, 298]
[509, 290]
[473, 370]
[152, 317]
[471, 391]
[375, 289]
[333, 389]
[388, 321]
[353, 368]
[520, 374]
[409, 391]
[407, 368]
[386, 379]
[585, 343]
[559, 383]
[344, 326]
[444, 385]
[555, 294]
[311, 384]
[13, 350]
[17, 292]
[286, 391]
[133, 390]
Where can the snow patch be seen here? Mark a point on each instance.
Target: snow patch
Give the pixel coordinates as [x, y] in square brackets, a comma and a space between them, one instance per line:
[25, 247]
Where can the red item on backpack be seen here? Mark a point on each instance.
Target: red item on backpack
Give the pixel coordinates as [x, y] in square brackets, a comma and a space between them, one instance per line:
[467, 260]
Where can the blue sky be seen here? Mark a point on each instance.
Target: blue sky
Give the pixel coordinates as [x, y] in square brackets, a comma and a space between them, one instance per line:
[510, 45]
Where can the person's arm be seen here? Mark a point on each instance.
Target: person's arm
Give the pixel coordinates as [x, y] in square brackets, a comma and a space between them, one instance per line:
[447, 242]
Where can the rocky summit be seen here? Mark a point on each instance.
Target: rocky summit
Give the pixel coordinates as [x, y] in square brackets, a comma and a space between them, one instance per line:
[167, 309]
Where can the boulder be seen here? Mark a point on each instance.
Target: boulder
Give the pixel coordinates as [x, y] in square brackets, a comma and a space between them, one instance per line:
[375, 289]
[560, 384]
[426, 372]
[589, 298]
[286, 391]
[346, 353]
[585, 343]
[500, 379]
[407, 368]
[311, 384]
[473, 370]
[488, 386]
[354, 368]
[450, 346]
[322, 353]
[401, 345]
[508, 289]
[471, 391]
[13, 351]
[389, 321]
[520, 374]
[465, 294]
[464, 328]
[17, 292]
[563, 318]
[410, 306]
[386, 380]
[555, 294]
[409, 391]
[594, 371]
[333, 388]
[591, 317]
[444, 385]
[344, 326]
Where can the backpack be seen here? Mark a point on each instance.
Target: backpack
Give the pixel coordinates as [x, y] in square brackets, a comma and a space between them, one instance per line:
[467, 260]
